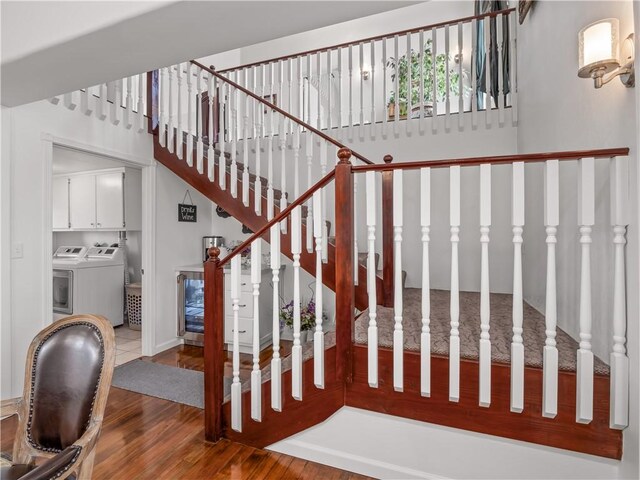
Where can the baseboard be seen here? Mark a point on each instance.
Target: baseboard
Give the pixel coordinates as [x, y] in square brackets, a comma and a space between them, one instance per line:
[347, 461]
[174, 342]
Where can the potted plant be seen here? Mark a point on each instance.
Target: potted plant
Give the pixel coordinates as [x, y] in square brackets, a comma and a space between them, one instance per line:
[307, 318]
[400, 67]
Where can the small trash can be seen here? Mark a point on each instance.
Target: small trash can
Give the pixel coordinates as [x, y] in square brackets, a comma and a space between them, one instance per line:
[134, 305]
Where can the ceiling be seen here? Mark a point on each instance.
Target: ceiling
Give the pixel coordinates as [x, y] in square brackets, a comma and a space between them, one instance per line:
[83, 46]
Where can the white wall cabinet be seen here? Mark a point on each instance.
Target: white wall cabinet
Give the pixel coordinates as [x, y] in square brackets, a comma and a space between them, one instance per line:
[98, 200]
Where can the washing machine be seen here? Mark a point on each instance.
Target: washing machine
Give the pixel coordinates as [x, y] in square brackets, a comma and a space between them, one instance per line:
[89, 280]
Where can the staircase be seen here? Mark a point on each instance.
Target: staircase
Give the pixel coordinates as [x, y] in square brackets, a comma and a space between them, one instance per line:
[220, 148]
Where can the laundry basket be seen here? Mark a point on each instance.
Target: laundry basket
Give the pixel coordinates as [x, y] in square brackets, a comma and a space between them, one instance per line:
[134, 305]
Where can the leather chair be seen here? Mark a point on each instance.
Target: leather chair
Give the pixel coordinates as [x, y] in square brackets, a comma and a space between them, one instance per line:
[67, 380]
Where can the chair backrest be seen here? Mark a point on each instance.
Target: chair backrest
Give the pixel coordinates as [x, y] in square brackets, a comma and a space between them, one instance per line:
[67, 380]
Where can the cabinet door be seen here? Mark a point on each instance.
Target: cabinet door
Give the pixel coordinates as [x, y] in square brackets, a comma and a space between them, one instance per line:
[60, 188]
[82, 201]
[109, 200]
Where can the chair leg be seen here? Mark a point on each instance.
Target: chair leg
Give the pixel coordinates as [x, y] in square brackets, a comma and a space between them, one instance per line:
[86, 467]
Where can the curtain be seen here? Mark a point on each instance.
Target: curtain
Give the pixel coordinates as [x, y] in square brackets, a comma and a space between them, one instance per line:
[482, 7]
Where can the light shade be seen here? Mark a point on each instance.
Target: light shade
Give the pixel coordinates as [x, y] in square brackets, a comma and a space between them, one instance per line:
[598, 47]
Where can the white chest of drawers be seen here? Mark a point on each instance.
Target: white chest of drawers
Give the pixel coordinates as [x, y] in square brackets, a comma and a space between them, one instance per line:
[245, 314]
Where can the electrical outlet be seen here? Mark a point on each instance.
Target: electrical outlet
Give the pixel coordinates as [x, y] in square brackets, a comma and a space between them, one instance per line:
[17, 250]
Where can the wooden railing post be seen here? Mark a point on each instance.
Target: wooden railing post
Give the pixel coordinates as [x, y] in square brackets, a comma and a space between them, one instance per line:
[345, 293]
[213, 345]
[387, 234]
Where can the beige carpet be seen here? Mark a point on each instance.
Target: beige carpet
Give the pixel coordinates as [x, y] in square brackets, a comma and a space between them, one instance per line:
[500, 331]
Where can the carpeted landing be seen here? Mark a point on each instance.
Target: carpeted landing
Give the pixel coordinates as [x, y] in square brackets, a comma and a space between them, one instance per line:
[500, 329]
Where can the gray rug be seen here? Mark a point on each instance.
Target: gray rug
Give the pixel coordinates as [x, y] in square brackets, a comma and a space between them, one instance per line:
[163, 381]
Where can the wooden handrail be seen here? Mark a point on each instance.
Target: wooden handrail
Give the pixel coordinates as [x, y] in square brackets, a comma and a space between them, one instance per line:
[281, 112]
[281, 216]
[496, 160]
[369, 39]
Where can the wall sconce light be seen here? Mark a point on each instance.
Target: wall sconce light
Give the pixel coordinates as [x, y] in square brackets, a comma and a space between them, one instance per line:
[365, 74]
[599, 56]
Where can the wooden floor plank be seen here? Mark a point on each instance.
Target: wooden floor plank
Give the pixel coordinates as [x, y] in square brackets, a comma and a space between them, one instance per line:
[147, 438]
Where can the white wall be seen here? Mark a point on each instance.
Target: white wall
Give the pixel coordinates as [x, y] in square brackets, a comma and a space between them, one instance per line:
[559, 111]
[26, 164]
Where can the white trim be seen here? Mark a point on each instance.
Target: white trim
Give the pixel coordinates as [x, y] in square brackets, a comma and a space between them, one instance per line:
[174, 342]
[148, 230]
[351, 462]
[149, 288]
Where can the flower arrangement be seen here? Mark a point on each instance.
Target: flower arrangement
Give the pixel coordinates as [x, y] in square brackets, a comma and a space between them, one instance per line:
[307, 315]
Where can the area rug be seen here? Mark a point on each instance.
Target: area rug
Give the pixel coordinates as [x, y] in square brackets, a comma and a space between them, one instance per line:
[163, 381]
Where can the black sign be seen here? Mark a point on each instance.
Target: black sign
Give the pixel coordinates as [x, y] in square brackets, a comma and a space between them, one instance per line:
[187, 213]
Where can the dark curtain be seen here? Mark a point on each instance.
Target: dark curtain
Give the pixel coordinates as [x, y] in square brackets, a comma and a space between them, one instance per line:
[482, 7]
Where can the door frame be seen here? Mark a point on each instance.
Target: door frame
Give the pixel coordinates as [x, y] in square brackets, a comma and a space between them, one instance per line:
[148, 167]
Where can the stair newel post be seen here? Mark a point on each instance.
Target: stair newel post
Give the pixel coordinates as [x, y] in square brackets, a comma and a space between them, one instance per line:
[190, 113]
[619, 361]
[213, 345]
[387, 234]
[345, 304]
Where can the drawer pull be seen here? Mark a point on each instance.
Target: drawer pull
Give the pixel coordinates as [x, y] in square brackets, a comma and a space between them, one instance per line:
[240, 331]
[243, 305]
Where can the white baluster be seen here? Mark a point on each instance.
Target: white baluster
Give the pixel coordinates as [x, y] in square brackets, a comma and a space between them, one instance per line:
[586, 220]
[513, 94]
[211, 154]
[256, 375]
[372, 77]
[324, 156]
[85, 101]
[140, 114]
[69, 100]
[434, 82]
[180, 131]
[236, 386]
[171, 123]
[500, 42]
[361, 80]
[270, 196]
[222, 159]
[190, 101]
[233, 100]
[398, 335]
[517, 345]
[276, 364]
[619, 361]
[102, 104]
[296, 350]
[454, 338]
[356, 262]
[425, 335]
[245, 147]
[474, 73]
[115, 88]
[162, 112]
[385, 114]
[309, 155]
[339, 95]
[128, 111]
[257, 185]
[372, 332]
[460, 79]
[318, 336]
[409, 85]
[329, 76]
[396, 90]
[350, 91]
[421, 86]
[485, 311]
[550, 357]
[55, 100]
[487, 71]
[283, 172]
[447, 77]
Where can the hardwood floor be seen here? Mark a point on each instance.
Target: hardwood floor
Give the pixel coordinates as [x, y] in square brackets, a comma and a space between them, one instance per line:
[148, 438]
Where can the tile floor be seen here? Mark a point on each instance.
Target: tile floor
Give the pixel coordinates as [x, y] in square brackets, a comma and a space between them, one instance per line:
[128, 344]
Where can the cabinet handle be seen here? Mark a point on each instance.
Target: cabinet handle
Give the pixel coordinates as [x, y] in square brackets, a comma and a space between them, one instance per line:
[243, 305]
[240, 331]
[92, 224]
[243, 284]
[99, 224]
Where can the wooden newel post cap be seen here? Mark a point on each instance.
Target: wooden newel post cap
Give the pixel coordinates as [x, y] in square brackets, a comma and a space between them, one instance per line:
[212, 67]
[214, 253]
[388, 159]
[344, 154]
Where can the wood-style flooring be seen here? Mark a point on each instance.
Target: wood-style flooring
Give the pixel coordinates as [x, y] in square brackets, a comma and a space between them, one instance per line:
[149, 438]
